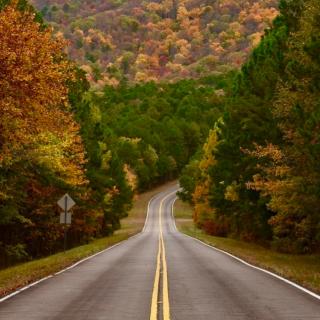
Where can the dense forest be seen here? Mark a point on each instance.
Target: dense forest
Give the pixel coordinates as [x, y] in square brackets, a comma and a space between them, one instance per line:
[245, 143]
[153, 129]
[58, 136]
[257, 176]
[149, 40]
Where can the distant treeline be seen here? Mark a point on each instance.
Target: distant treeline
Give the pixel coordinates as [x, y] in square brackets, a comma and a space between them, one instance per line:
[158, 39]
[152, 129]
[58, 136]
[258, 175]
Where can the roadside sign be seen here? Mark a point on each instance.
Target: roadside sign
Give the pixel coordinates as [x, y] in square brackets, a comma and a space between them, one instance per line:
[65, 218]
[66, 202]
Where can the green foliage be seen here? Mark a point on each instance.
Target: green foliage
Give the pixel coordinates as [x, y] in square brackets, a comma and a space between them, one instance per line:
[129, 23]
[265, 181]
[151, 129]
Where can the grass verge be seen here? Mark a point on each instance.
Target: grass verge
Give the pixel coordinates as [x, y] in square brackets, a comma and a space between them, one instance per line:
[301, 269]
[23, 274]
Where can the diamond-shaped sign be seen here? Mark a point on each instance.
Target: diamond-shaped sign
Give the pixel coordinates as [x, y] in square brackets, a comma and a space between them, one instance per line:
[66, 202]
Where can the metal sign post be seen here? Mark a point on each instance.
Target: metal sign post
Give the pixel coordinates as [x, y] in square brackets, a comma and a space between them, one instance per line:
[65, 203]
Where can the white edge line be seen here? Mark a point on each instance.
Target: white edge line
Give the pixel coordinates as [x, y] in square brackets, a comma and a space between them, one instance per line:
[147, 217]
[156, 195]
[172, 214]
[24, 288]
[293, 284]
[78, 262]
[61, 271]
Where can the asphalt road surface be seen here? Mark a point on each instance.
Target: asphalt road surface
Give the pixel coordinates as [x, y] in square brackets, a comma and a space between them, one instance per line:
[161, 274]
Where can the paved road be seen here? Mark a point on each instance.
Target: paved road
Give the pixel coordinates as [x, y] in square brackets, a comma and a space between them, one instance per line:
[157, 274]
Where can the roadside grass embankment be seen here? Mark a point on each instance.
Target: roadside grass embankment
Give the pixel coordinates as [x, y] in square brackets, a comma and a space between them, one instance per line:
[23, 274]
[301, 269]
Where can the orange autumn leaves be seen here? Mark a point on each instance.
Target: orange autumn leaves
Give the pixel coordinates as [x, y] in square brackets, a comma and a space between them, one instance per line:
[153, 40]
[41, 151]
[265, 179]
[34, 120]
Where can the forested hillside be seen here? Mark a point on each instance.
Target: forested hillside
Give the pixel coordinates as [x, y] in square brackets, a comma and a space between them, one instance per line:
[151, 40]
[59, 136]
[257, 176]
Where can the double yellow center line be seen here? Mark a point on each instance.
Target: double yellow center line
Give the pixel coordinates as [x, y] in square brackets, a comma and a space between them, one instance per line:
[161, 266]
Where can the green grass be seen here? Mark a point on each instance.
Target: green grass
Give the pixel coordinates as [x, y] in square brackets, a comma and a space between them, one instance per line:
[25, 273]
[18, 276]
[302, 269]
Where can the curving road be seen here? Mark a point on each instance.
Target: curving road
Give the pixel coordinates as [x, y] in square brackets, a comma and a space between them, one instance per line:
[161, 274]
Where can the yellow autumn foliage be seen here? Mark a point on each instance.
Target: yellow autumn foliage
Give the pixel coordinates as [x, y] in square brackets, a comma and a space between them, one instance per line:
[35, 122]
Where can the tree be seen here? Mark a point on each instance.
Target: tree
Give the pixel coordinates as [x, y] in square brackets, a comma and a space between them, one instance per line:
[30, 104]
[290, 176]
[41, 152]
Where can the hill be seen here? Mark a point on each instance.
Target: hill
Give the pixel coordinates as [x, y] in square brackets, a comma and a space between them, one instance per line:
[152, 40]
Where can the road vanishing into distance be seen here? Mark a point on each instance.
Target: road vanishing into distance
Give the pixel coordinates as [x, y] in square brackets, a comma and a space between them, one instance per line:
[161, 274]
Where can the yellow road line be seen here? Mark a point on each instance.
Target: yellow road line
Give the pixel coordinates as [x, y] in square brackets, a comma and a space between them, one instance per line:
[165, 290]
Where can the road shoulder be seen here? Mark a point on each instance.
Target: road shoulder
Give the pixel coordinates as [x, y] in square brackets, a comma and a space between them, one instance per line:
[19, 278]
[303, 270]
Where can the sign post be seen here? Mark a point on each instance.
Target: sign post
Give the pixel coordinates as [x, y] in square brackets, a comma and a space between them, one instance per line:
[65, 203]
